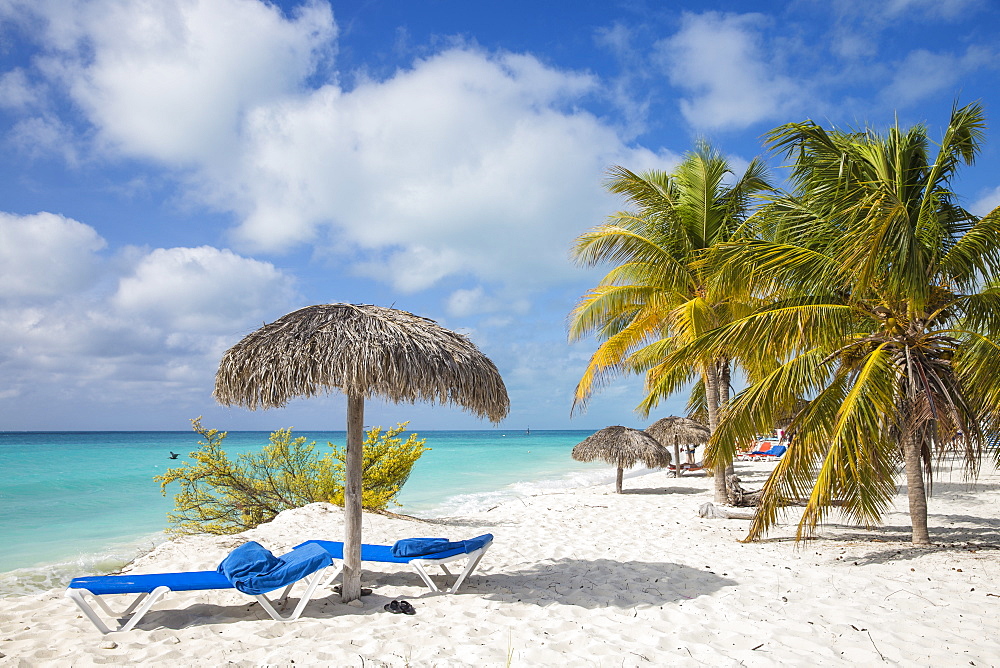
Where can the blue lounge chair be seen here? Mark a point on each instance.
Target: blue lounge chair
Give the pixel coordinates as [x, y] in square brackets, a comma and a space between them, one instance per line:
[777, 451]
[249, 568]
[418, 553]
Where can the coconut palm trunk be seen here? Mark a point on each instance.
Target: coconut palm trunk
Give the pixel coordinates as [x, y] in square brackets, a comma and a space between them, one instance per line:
[915, 492]
[725, 380]
[711, 379]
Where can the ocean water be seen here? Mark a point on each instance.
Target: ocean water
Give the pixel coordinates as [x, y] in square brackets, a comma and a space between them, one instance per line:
[76, 503]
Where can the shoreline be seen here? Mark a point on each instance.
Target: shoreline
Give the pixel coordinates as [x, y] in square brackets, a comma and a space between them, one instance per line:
[568, 578]
[78, 516]
[119, 555]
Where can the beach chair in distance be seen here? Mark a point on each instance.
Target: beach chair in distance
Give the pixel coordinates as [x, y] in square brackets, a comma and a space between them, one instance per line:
[249, 568]
[774, 452]
[419, 553]
[761, 448]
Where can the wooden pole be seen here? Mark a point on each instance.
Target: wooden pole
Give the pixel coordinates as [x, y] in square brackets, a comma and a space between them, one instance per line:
[677, 458]
[618, 480]
[351, 588]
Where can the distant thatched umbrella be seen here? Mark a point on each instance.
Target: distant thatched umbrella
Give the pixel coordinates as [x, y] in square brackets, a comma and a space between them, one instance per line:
[622, 447]
[677, 430]
[365, 351]
[785, 420]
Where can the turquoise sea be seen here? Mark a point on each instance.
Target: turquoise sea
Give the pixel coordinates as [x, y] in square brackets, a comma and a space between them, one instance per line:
[76, 503]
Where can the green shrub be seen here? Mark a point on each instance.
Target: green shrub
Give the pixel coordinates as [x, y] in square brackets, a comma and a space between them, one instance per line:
[386, 465]
[221, 496]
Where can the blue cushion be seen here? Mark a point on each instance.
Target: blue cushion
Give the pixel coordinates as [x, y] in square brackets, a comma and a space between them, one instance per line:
[100, 585]
[253, 570]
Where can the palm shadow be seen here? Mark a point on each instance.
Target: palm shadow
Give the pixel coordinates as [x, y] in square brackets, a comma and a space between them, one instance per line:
[598, 583]
[662, 490]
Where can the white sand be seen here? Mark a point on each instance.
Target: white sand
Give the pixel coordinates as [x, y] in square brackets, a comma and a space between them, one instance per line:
[586, 576]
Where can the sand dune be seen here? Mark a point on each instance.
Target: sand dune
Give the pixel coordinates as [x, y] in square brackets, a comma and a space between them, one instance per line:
[590, 576]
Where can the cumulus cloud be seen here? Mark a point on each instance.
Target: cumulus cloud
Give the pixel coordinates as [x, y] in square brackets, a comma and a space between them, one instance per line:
[75, 318]
[986, 202]
[476, 301]
[171, 80]
[411, 175]
[16, 92]
[402, 179]
[924, 73]
[722, 61]
[46, 256]
[201, 289]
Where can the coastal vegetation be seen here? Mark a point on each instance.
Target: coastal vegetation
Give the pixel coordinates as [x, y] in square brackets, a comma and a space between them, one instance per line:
[884, 313]
[863, 306]
[219, 495]
[658, 297]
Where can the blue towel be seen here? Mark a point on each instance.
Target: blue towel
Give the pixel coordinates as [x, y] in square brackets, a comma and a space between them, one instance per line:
[474, 544]
[254, 570]
[422, 547]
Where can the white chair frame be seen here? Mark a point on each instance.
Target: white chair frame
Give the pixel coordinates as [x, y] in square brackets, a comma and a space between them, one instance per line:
[142, 603]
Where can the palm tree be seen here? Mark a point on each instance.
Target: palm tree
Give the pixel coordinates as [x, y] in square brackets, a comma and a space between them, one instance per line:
[657, 297]
[886, 316]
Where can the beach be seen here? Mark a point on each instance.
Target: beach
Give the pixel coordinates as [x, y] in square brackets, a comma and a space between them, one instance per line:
[588, 576]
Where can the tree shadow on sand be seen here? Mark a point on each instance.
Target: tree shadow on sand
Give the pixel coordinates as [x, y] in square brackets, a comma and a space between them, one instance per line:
[598, 583]
[663, 490]
[892, 542]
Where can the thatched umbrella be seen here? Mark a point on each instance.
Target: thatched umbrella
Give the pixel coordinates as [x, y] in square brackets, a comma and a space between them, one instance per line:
[622, 447]
[364, 351]
[678, 429]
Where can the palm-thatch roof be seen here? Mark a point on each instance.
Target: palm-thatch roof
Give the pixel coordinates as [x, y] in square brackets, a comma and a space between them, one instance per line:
[686, 430]
[364, 349]
[622, 447]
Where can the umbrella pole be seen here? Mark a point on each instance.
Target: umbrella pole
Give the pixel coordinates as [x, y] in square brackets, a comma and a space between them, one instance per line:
[351, 589]
[618, 480]
[677, 458]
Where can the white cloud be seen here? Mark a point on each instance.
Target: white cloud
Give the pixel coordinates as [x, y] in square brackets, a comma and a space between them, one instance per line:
[946, 9]
[986, 203]
[401, 179]
[171, 80]
[202, 290]
[923, 73]
[16, 91]
[476, 301]
[723, 63]
[77, 321]
[43, 135]
[465, 164]
[45, 256]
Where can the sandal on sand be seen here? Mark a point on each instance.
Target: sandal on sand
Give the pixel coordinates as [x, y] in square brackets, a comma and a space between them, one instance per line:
[406, 608]
[365, 591]
[393, 607]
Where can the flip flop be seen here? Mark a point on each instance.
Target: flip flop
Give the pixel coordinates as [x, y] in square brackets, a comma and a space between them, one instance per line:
[394, 607]
[406, 608]
[365, 591]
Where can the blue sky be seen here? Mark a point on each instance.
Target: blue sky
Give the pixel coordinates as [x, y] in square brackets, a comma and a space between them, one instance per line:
[175, 173]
